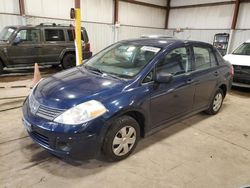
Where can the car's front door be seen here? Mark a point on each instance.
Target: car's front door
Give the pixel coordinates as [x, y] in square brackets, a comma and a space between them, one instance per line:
[173, 99]
[25, 47]
[205, 75]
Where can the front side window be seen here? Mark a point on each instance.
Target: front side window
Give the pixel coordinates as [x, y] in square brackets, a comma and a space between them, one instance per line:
[243, 49]
[123, 59]
[204, 58]
[175, 62]
[28, 36]
[54, 35]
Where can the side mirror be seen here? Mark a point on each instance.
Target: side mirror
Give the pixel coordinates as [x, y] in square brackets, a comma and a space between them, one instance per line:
[163, 77]
[17, 40]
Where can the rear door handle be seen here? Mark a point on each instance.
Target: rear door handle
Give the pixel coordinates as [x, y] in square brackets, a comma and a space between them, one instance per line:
[38, 46]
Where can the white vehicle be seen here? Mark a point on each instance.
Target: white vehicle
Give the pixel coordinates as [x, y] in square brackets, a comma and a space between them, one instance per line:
[240, 59]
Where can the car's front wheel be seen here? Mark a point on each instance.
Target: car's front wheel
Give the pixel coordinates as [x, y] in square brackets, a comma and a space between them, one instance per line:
[121, 139]
[216, 102]
[69, 60]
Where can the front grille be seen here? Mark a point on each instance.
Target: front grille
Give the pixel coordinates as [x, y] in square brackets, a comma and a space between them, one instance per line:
[241, 80]
[48, 113]
[242, 69]
[40, 138]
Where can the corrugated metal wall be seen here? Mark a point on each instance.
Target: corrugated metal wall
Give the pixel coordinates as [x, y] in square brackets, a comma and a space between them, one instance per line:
[216, 17]
[9, 10]
[200, 23]
[97, 18]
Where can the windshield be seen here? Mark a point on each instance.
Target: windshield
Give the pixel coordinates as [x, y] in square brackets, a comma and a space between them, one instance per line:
[122, 59]
[243, 49]
[6, 33]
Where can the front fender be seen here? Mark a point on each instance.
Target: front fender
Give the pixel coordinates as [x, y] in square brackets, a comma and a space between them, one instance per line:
[134, 100]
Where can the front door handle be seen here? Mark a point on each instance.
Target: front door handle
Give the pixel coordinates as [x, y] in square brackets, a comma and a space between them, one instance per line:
[190, 81]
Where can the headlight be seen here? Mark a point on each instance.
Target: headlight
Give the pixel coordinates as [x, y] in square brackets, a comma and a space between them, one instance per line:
[82, 113]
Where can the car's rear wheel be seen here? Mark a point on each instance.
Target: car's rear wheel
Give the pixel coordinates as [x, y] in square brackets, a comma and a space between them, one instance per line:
[121, 139]
[1, 67]
[69, 60]
[216, 102]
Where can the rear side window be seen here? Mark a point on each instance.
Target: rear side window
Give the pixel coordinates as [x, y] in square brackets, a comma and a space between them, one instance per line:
[204, 58]
[54, 35]
[175, 62]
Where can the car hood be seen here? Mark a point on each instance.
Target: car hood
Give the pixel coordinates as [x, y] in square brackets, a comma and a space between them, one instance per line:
[243, 60]
[74, 86]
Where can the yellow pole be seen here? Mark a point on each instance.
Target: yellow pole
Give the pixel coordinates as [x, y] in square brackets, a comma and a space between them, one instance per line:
[78, 32]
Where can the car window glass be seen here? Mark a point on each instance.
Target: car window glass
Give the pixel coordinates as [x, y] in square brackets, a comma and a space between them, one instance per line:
[243, 49]
[29, 36]
[71, 35]
[123, 59]
[54, 35]
[175, 62]
[149, 77]
[212, 59]
[204, 58]
[218, 56]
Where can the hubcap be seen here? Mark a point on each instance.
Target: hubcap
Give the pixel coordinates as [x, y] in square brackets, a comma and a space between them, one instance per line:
[124, 140]
[217, 102]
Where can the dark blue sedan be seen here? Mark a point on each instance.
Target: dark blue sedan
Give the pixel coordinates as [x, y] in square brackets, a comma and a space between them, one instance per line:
[127, 91]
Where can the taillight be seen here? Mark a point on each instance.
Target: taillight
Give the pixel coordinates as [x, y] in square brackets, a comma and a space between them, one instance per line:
[232, 71]
[87, 47]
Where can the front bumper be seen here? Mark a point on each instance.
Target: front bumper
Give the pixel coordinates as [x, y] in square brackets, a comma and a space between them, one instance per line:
[77, 143]
[241, 76]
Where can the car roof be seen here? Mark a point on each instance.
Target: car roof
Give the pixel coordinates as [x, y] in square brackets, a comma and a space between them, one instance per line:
[41, 26]
[163, 42]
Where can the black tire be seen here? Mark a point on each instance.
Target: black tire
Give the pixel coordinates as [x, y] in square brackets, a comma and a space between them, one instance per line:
[216, 100]
[109, 148]
[69, 60]
[1, 67]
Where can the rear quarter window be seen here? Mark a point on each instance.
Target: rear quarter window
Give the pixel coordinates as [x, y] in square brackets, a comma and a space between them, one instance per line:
[219, 57]
[71, 35]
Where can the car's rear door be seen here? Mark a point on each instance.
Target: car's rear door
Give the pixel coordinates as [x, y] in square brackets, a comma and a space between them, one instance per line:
[53, 45]
[205, 75]
[169, 100]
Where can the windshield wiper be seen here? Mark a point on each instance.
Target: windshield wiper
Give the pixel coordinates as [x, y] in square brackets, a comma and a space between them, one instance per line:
[113, 75]
[94, 69]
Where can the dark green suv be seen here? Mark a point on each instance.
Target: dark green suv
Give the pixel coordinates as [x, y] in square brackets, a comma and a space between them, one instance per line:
[46, 44]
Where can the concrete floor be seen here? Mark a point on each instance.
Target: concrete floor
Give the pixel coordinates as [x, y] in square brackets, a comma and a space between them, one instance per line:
[202, 151]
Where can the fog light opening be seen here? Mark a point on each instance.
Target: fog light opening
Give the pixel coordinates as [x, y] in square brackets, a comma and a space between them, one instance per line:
[64, 146]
